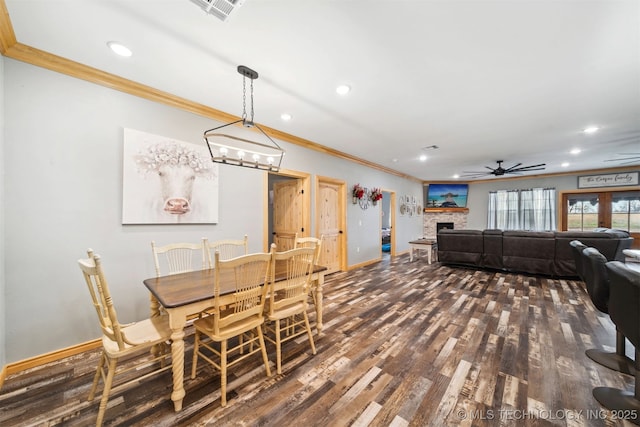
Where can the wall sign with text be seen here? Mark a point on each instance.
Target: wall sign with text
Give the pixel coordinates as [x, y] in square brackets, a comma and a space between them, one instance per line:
[608, 180]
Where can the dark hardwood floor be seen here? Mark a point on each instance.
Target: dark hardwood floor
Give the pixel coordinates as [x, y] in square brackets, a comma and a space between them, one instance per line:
[403, 344]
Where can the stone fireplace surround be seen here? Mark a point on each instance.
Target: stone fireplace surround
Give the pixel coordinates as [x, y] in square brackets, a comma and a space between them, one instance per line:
[431, 217]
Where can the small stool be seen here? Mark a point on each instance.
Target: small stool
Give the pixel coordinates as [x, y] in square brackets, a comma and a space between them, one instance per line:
[422, 244]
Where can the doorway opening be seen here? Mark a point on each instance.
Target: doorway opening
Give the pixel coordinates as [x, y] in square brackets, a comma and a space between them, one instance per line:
[387, 223]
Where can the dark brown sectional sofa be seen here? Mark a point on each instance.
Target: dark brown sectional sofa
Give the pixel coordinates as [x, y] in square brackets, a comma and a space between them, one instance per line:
[535, 252]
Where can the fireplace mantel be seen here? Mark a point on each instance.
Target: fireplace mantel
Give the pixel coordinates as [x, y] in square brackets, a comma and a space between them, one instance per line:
[440, 210]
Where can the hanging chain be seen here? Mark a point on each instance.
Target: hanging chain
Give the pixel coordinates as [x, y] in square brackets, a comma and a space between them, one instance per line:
[244, 98]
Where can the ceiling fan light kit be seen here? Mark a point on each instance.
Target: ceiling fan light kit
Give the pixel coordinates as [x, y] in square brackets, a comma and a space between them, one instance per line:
[516, 169]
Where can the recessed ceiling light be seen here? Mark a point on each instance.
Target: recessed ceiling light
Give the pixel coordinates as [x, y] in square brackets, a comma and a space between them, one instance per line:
[343, 89]
[286, 117]
[394, 160]
[591, 129]
[423, 157]
[119, 49]
[456, 176]
[575, 151]
[565, 164]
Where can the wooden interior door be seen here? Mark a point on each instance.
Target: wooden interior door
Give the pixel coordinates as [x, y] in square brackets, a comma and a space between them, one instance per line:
[329, 223]
[287, 213]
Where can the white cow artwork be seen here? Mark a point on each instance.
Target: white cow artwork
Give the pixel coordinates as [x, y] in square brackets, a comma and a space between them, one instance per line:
[167, 181]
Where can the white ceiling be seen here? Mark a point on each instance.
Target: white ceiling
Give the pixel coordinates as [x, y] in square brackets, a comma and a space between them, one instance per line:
[510, 80]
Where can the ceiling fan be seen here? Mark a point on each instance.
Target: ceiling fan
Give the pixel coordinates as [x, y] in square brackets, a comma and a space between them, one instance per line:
[516, 169]
[630, 158]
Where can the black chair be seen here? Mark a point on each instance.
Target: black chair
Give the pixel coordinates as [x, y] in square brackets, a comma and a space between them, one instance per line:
[576, 250]
[596, 278]
[624, 309]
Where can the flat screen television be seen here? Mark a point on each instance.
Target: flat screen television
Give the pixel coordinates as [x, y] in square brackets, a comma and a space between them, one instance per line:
[446, 196]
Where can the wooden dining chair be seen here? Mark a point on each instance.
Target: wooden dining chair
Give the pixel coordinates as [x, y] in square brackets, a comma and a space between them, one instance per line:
[310, 242]
[243, 318]
[122, 340]
[178, 257]
[287, 303]
[228, 248]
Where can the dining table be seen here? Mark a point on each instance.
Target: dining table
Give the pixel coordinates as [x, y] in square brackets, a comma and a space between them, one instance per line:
[187, 294]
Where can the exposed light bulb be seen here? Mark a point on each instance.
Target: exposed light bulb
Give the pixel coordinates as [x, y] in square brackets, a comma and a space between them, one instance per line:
[223, 151]
[241, 154]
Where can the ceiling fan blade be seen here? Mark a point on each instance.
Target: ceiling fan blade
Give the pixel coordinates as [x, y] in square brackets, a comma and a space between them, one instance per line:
[514, 167]
[531, 167]
[472, 174]
[622, 159]
[525, 170]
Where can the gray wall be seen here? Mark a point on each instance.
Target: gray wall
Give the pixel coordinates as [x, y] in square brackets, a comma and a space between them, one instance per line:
[62, 162]
[479, 194]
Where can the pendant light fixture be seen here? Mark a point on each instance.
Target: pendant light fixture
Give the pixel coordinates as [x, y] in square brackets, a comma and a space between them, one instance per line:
[238, 151]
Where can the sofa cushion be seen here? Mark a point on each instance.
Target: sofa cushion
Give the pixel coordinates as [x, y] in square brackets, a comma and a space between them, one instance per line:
[529, 251]
[460, 246]
[492, 256]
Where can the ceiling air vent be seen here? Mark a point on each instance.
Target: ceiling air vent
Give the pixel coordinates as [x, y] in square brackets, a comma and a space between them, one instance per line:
[219, 8]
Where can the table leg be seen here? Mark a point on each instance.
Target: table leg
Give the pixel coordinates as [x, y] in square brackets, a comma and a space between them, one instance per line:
[429, 254]
[319, 284]
[177, 355]
[410, 253]
[177, 321]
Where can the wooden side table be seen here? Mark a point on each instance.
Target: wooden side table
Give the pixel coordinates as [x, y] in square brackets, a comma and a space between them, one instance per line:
[422, 244]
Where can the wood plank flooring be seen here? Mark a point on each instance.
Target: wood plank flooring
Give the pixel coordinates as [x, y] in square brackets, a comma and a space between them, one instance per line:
[404, 344]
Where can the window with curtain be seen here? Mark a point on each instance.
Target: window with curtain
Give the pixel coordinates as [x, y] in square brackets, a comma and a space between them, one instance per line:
[532, 209]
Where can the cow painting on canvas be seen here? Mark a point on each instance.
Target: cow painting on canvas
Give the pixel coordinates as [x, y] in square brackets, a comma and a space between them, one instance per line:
[167, 181]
